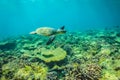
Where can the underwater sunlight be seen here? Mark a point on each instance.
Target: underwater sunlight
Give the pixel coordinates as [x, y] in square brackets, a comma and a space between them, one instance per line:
[59, 39]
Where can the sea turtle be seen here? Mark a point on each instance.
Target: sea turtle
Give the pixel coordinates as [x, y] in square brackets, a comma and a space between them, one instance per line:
[48, 31]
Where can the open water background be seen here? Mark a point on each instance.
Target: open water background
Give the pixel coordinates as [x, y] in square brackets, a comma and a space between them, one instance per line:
[19, 17]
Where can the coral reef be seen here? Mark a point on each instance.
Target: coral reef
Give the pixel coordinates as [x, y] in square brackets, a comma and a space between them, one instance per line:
[89, 55]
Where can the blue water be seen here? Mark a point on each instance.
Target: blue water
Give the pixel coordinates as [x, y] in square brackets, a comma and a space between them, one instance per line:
[23, 16]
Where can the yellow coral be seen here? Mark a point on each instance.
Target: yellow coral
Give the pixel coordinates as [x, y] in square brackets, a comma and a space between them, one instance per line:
[35, 71]
[53, 55]
[108, 75]
[40, 72]
[24, 73]
[3, 78]
[105, 51]
[47, 55]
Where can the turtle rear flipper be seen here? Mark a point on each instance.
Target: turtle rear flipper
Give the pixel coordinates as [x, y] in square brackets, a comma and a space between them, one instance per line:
[50, 40]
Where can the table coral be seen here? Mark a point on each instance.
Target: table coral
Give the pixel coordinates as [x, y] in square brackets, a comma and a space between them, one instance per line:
[57, 54]
[47, 55]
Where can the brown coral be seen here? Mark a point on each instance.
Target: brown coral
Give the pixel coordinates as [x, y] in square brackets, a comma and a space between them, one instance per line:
[85, 72]
[92, 72]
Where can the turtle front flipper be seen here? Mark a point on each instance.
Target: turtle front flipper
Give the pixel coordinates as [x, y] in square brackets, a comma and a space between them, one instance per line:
[50, 40]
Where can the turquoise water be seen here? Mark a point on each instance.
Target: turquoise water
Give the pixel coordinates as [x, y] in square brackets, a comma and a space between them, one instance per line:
[83, 43]
[22, 16]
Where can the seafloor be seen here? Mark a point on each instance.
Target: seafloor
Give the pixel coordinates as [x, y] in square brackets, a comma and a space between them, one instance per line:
[89, 55]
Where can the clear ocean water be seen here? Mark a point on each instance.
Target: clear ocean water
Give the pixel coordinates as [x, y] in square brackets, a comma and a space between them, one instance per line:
[59, 39]
[22, 16]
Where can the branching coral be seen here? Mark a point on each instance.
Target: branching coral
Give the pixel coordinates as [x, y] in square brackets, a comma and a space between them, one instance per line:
[52, 76]
[73, 73]
[85, 72]
[92, 72]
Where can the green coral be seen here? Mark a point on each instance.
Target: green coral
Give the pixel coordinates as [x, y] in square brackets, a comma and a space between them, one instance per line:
[117, 39]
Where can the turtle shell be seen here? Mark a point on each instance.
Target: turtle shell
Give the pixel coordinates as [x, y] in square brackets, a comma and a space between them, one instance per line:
[46, 31]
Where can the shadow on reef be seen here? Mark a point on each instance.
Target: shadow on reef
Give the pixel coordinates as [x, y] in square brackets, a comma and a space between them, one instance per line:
[90, 55]
[7, 45]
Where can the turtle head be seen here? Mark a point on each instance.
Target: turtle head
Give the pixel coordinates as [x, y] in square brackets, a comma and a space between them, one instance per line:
[61, 30]
[33, 32]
